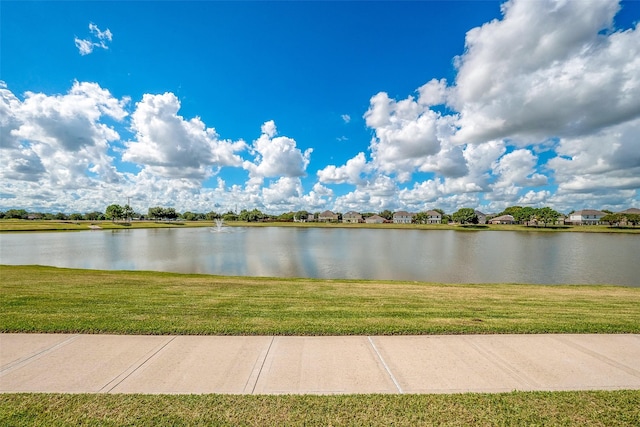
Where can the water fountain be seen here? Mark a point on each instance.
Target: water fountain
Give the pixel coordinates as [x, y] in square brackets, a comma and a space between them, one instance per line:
[219, 222]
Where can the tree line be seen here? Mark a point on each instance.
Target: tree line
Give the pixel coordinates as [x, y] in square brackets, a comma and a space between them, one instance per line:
[114, 212]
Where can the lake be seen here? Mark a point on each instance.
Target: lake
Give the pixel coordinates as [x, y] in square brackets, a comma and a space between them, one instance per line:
[334, 253]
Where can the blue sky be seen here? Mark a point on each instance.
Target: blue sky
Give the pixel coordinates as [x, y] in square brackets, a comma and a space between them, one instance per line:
[320, 105]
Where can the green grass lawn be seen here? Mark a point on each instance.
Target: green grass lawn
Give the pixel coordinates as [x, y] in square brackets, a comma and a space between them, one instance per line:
[48, 299]
[51, 225]
[581, 408]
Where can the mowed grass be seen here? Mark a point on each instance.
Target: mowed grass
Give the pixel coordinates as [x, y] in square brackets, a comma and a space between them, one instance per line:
[580, 408]
[48, 299]
[13, 225]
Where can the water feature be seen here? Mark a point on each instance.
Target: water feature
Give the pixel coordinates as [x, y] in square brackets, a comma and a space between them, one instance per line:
[434, 255]
[219, 222]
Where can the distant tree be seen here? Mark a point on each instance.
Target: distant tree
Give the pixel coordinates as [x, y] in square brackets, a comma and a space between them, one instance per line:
[446, 218]
[155, 213]
[465, 216]
[511, 210]
[94, 216]
[633, 219]
[189, 216]
[114, 212]
[420, 218]
[524, 215]
[61, 216]
[16, 214]
[547, 215]
[386, 214]
[212, 215]
[252, 216]
[76, 216]
[613, 219]
[230, 216]
[127, 212]
[286, 217]
[170, 213]
[521, 215]
[301, 215]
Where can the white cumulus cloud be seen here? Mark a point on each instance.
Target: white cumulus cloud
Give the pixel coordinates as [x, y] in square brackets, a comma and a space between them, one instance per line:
[60, 139]
[169, 145]
[548, 68]
[351, 173]
[276, 156]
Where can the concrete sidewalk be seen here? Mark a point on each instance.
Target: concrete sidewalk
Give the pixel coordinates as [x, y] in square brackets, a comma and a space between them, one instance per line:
[316, 365]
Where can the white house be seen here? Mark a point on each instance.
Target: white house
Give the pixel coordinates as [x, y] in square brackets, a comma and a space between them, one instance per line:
[402, 217]
[586, 217]
[434, 217]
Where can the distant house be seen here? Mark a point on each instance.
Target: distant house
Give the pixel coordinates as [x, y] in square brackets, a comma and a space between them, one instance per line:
[352, 217]
[328, 216]
[374, 219]
[502, 219]
[586, 217]
[311, 217]
[402, 217]
[482, 218]
[434, 217]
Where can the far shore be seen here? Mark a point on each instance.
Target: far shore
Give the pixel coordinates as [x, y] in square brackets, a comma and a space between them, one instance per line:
[11, 225]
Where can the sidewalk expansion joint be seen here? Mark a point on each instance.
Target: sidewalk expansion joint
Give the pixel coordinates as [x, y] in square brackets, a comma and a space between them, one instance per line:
[629, 370]
[501, 363]
[134, 367]
[35, 356]
[386, 367]
[256, 373]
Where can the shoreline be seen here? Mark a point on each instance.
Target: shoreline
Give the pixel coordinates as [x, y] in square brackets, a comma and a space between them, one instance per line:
[66, 225]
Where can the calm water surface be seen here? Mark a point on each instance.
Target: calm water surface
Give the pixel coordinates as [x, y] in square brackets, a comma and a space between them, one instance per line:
[422, 255]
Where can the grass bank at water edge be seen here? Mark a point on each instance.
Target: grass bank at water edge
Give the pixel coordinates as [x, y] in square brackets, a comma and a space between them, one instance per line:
[47, 299]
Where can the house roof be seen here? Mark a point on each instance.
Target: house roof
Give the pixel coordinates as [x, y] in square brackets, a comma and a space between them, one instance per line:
[477, 212]
[434, 213]
[403, 213]
[351, 213]
[503, 218]
[631, 211]
[327, 213]
[589, 212]
[376, 217]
